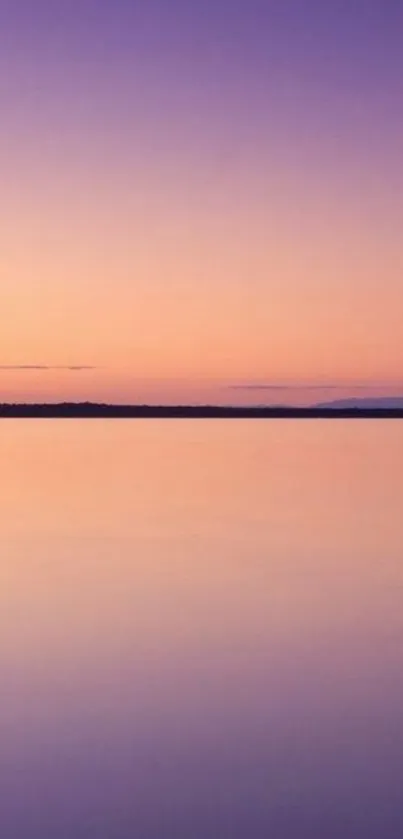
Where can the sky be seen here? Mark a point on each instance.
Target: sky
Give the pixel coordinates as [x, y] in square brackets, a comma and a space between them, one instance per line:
[201, 201]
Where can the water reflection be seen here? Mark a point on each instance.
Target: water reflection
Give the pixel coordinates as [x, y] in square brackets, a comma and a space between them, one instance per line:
[201, 629]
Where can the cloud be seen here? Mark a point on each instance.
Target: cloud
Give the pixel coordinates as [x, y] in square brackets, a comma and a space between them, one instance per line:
[45, 367]
[284, 387]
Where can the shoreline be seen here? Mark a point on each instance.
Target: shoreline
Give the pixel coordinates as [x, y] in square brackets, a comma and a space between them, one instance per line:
[89, 410]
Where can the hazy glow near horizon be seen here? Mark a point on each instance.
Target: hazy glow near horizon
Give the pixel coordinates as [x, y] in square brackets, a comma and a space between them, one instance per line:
[200, 195]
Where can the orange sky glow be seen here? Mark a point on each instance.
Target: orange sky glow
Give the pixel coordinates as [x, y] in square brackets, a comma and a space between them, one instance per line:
[183, 235]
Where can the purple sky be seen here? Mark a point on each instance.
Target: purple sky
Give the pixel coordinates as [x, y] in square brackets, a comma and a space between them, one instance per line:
[200, 192]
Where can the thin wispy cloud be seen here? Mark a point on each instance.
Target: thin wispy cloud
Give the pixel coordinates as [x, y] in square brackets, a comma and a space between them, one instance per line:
[75, 368]
[313, 387]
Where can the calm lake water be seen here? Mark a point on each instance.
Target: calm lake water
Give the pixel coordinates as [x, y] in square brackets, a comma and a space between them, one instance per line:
[201, 629]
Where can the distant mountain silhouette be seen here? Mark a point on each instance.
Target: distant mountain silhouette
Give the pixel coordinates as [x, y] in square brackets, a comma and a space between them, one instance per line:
[385, 403]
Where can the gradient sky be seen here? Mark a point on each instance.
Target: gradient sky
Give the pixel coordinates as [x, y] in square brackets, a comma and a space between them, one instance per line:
[197, 195]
